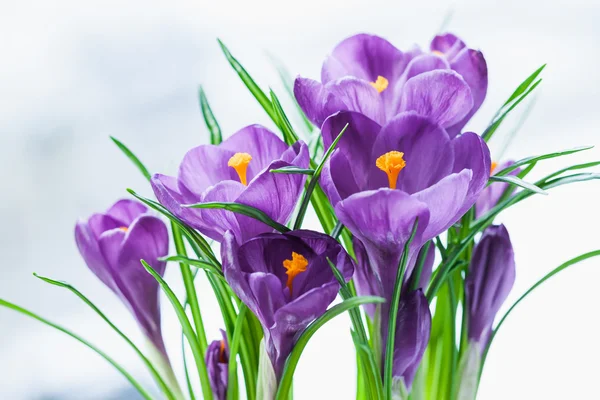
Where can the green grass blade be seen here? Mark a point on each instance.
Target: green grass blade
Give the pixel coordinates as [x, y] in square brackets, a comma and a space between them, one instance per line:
[136, 161]
[315, 179]
[209, 118]
[256, 91]
[188, 331]
[572, 168]
[289, 134]
[389, 349]
[515, 181]
[524, 85]
[293, 170]
[159, 380]
[292, 361]
[233, 351]
[535, 159]
[244, 210]
[194, 263]
[122, 370]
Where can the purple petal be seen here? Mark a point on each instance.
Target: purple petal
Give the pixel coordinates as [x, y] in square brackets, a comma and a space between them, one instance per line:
[366, 282]
[448, 44]
[100, 223]
[412, 335]
[489, 196]
[216, 221]
[126, 211]
[205, 166]
[426, 149]
[337, 180]
[471, 152]
[443, 96]
[471, 65]
[167, 192]
[490, 279]
[87, 243]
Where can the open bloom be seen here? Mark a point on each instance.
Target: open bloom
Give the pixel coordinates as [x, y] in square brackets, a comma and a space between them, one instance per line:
[217, 363]
[112, 244]
[367, 74]
[490, 279]
[286, 280]
[237, 170]
[490, 196]
[381, 179]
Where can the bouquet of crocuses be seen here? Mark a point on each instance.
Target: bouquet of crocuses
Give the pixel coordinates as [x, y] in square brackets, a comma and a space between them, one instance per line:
[406, 200]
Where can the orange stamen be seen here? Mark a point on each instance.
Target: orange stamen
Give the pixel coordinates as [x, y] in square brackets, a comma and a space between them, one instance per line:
[438, 53]
[239, 162]
[294, 267]
[222, 352]
[124, 229]
[493, 167]
[391, 163]
[380, 84]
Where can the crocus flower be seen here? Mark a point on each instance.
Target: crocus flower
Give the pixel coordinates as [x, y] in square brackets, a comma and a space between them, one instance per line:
[367, 74]
[380, 179]
[490, 279]
[412, 336]
[217, 362]
[286, 280]
[237, 170]
[112, 244]
[490, 196]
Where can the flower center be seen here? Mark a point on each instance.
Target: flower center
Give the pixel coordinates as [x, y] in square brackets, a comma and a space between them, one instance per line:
[380, 84]
[438, 53]
[293, 267]
[222, 352]
[239, 162]
[391, 163]
[124, 229]
[493, 167]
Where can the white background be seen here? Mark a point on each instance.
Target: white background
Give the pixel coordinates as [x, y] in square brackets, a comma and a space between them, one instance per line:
[74, 72]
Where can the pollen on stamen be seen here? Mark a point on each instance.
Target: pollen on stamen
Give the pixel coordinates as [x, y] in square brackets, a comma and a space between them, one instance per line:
[391, 163]
[239, 162]
[380, 84]
[124, 229]
[222, 352]
[493, 167]
[437, 53]
[293, 267]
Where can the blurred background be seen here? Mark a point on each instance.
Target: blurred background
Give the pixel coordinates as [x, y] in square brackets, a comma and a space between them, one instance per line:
[75, 72]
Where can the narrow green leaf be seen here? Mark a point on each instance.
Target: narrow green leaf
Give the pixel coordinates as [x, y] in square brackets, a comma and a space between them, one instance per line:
[136, 161]
[515, 181]
[292, 361]
[572, 168]
[535, 159]
[209, 119]
[194, 263]
[416, 275]
[159, 380]
[187, 329]
[344, 291]
[391, 337]
[244, 210]
[249, 82]
[233, 351]
[293, 170]
[524, 85]
[289, 134]
[315, 179]
[565, 180]
[122, 370]
[549, 275]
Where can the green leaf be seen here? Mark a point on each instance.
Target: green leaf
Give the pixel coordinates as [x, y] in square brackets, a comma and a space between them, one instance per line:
[244, 210]
[122, 370]
[391, 337]
[524, 85]
[565, 180]
[194, 263]
[289, 134]
[187, 330]
[535, 159]
[136, 161]
[293, 170]
[249, 82]
[233, 351]
[292, 361]
[161, 383]
[549, 275]
[209, 119]
[513, 180]
[315, 179]
[572, 168]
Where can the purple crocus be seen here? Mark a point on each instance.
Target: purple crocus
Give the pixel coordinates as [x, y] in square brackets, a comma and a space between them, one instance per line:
[237, 170]
[412, 336]
[286, 281]
[217, 362]
[112, 244]
[490, 279]
[490, 196]
[380, 179]
[367, 74]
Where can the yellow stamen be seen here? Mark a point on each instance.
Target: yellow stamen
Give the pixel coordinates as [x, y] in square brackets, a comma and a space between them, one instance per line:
[494, 166]
[438, 53]
[380, 84]
[293, 267]
[240, 162]
[222, 352]
[124, 229]
[391, 163]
